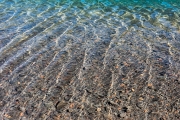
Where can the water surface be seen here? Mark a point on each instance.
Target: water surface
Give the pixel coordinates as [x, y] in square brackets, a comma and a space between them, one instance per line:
[89, 59]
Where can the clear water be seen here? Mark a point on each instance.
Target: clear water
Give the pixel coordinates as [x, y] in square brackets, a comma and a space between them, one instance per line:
[94, 45]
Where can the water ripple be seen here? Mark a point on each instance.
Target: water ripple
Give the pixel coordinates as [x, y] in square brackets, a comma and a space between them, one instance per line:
[89, 59]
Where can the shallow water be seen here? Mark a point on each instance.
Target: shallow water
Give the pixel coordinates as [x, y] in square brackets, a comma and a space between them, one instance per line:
[89, 59]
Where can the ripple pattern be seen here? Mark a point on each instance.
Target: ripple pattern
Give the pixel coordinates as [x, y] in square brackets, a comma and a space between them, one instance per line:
[89, 60]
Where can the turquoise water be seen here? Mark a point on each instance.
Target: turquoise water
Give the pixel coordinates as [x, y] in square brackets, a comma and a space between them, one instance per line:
[124, 54]
[18, 16]
[155, 12]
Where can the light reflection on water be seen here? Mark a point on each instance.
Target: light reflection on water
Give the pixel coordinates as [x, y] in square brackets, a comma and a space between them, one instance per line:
[94, 46]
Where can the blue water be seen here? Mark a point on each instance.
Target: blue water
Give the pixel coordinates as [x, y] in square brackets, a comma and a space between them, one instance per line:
[99, 51]
[159, 12]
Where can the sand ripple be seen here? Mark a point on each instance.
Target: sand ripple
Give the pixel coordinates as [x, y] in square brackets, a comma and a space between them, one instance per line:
[81, 61]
